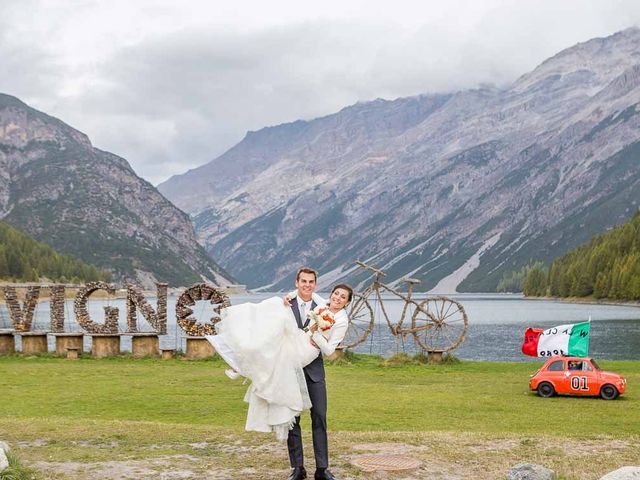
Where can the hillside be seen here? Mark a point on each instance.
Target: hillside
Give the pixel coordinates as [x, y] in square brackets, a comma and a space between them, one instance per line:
[90, 204]
[422, 185]
[606, 267]
[23, 259]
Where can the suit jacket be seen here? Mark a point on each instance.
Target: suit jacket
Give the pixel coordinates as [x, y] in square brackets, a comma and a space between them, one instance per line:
[315, 370]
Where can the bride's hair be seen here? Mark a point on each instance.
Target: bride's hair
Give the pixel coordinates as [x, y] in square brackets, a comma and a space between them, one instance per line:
[346, 287]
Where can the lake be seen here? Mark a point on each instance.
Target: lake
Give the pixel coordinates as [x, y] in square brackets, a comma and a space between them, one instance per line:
[496, 325]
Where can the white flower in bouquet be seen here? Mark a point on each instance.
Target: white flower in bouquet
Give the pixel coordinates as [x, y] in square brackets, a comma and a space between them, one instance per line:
[323, 317]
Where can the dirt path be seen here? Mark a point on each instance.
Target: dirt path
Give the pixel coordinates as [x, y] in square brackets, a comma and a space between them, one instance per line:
[354, 456]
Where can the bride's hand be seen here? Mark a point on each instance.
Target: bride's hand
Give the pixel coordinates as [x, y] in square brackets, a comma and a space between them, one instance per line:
[287, 301]
[313, 328]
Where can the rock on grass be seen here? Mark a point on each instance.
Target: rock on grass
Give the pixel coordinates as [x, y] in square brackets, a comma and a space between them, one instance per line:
[531, 471]
[624, 473]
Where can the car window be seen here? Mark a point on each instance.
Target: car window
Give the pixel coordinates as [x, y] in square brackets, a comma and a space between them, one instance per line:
[586, 366]
[575, 365]
[556, 366]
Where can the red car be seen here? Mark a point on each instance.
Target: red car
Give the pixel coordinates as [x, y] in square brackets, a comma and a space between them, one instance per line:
[576, 376]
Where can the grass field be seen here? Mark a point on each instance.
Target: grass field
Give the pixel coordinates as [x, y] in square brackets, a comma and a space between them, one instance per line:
[124, 418]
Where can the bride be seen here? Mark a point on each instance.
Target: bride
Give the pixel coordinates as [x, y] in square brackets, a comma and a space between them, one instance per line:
[264, 343]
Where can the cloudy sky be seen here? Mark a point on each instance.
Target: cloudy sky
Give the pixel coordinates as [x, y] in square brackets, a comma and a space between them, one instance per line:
[170, 85]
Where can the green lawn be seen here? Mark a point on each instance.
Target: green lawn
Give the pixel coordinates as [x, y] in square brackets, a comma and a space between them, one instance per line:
[465, 397]
[77, 406]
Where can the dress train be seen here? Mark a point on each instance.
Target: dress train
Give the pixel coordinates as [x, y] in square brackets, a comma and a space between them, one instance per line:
[263, 343]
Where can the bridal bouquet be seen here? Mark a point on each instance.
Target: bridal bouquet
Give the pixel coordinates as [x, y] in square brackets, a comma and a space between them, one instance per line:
[323, 317]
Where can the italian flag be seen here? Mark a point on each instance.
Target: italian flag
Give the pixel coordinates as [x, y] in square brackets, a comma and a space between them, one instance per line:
[572, 339]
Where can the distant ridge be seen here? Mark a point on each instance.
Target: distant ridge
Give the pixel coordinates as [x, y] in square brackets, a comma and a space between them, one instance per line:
[90, 204]
[418, 185]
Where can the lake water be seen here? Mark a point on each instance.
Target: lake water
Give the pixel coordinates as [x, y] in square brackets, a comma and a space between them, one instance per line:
[496, 325]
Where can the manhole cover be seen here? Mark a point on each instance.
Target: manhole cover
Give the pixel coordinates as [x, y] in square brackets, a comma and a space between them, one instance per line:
[374, 463]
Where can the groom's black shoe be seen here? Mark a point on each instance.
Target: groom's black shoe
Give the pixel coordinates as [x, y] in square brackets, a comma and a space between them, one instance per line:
[324, 474]
[298, 473]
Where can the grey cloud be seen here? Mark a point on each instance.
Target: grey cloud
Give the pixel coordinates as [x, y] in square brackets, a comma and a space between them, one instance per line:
[212, 88]
[176, 100]
[28, 72]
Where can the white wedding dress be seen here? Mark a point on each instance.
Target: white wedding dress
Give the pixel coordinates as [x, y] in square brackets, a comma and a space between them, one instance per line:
[262, 342]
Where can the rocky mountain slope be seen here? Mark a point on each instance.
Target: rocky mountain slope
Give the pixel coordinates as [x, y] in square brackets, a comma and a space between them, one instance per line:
[58, 188]
[449, 188]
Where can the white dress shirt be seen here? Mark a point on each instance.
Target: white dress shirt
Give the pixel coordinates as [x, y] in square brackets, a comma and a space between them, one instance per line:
[304, 308]
[314, 298]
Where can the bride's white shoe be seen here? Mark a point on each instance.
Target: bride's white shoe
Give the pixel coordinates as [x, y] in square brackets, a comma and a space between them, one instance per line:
[232, 374]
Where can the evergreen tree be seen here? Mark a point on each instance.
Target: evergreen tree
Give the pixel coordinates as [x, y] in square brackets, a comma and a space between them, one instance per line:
[4, 266]
[24, 259]
[514, 281]
[606, 267]
[601, 287]
[535, 285]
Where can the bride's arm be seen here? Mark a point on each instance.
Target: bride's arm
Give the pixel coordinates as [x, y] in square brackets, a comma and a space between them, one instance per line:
[337, 333]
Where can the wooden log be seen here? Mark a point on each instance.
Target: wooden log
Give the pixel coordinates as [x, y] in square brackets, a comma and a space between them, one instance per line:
[105, 345]
[436, 356]
[199, 347]
[34, 343]
[145, 345]
[72, 353]
[65, 341]
[167, 353]
[7, 342]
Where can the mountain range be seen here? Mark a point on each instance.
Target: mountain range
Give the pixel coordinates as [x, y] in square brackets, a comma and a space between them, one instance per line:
[58, 188]
[454, 189]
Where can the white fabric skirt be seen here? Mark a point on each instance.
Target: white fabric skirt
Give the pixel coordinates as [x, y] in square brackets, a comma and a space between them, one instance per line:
[263, 343]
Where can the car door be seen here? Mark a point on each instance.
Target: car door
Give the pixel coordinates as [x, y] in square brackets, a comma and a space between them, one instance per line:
[579, 378]
[554, 374]
[591, 379]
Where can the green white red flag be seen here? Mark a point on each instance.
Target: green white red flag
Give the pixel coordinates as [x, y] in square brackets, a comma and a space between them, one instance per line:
[572, 339]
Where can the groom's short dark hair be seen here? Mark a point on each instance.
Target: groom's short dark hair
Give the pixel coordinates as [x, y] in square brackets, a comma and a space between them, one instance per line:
[307, 270]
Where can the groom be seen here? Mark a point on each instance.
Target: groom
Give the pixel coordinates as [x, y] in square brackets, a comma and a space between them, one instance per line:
[306, 280]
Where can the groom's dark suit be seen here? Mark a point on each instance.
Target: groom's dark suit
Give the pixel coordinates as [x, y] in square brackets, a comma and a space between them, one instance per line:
[314, 374]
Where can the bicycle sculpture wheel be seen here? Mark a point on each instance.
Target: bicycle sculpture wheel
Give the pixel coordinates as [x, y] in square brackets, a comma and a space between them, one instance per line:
[439, 324]
[360, 322]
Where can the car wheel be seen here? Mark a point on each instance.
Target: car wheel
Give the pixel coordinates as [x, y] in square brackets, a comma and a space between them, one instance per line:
[546, 390]
[608, 392]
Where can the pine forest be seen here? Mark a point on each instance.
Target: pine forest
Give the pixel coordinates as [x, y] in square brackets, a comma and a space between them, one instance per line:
[23, 259]
[607, 267]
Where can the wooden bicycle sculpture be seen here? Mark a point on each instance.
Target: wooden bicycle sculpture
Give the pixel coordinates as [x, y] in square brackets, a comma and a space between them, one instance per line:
[438, 324]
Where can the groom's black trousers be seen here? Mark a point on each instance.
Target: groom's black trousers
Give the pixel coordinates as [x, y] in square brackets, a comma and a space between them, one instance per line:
[318, 395]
